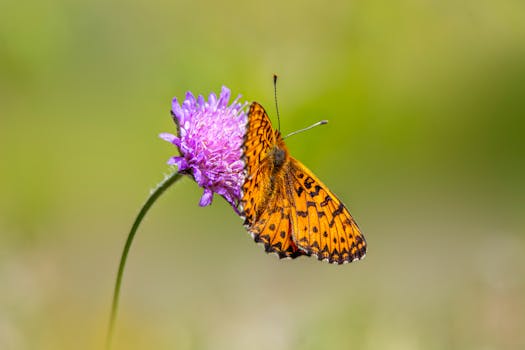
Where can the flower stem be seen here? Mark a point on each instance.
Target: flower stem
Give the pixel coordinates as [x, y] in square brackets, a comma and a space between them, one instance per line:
[155, 194]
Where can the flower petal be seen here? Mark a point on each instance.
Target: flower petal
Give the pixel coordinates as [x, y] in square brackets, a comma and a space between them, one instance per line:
[176, 109]
[224, 97]
[206, 198]
[170, 138]
[180, 162]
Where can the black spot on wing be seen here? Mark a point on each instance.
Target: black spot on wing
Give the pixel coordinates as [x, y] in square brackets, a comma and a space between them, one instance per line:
[308, 182]
[315, 193]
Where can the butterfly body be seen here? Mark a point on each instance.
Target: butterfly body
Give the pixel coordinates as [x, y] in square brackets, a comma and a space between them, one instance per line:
[286, 207]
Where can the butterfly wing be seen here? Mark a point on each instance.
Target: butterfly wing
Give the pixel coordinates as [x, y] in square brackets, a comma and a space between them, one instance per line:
[321, 224]
[265, 204]
[258, 142]
[274, 226]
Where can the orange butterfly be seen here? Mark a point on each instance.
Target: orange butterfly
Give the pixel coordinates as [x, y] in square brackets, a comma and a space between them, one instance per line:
[286, 207]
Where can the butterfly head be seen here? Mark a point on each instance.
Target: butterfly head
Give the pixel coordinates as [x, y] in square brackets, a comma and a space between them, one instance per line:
[279, 157]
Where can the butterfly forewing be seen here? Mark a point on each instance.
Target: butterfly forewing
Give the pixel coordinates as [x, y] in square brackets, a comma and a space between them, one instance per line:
[286, 207]
[322, 225]
[259, 140]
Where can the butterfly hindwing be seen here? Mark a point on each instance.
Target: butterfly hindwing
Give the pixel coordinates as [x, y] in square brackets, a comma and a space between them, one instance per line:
[273, 227]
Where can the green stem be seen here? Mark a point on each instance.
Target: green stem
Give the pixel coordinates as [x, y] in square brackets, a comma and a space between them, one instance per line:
[155, 194]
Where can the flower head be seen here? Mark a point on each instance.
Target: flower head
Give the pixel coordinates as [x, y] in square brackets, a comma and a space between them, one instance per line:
[210, 137]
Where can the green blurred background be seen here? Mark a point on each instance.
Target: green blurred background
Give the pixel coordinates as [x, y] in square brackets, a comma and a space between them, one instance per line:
[426, 103]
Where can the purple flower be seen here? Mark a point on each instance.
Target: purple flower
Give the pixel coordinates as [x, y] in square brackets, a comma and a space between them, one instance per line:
[210, 137]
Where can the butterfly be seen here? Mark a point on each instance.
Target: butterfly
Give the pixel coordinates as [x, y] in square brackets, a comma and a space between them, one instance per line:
[286, 207]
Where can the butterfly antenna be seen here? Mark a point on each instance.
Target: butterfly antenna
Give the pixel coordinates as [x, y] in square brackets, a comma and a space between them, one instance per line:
[276, 105]
[321, 122]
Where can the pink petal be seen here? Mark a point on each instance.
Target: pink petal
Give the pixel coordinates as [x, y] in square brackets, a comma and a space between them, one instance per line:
[206, 198]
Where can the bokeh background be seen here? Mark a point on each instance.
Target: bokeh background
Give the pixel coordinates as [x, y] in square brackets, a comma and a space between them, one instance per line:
[426, 103]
